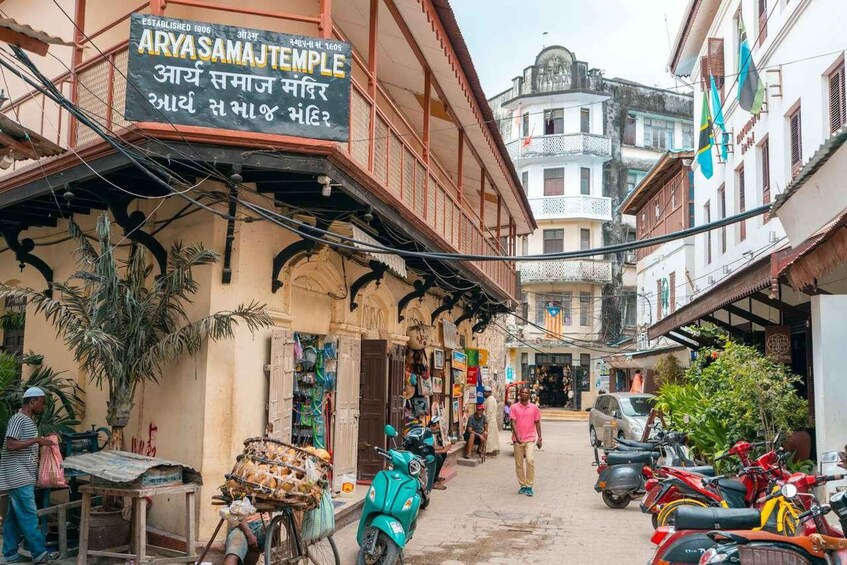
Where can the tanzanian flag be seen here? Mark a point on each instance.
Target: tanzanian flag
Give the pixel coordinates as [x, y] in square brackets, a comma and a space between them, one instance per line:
[751, 89]
[704, 142]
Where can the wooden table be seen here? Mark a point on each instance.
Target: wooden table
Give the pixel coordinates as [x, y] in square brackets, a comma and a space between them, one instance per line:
[139, 511]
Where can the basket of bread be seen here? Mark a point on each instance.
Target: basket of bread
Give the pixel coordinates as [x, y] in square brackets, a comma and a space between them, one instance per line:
[274, 471]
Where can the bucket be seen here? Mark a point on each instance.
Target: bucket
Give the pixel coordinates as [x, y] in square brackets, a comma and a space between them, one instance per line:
[107, 529]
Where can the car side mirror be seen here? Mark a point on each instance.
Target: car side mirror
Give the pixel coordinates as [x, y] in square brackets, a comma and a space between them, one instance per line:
[616, 414]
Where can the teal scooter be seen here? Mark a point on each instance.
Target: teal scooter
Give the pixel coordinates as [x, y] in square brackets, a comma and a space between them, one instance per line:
[391, 506]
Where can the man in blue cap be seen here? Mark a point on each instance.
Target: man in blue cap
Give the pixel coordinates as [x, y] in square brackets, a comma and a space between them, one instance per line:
[18, 473]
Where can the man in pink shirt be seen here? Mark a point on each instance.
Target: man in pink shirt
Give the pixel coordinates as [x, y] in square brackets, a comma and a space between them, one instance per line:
[526, 435]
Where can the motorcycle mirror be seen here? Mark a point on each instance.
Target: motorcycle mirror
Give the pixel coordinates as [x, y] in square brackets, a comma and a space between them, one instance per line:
[390, 431]
[789, 491]
[686, 418]
[776, 439]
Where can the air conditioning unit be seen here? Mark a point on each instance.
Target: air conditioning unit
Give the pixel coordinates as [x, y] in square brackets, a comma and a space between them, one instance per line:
[772, 237]
[710, 279]
[726, 270]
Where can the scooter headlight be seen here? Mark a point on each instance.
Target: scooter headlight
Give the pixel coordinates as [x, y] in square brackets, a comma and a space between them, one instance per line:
[414, 467]
[371, 494]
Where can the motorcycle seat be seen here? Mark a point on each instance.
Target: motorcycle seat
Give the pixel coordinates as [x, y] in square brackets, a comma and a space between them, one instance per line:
[630, 457]
[696, 518]
[638, 444]
[705, 470]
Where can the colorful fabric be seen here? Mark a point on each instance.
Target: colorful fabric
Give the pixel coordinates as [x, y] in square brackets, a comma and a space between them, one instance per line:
[751, 89]
[524, 419]
[704, 143]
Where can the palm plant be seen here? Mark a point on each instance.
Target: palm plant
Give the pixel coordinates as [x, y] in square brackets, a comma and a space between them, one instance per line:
[124, 326]
[62, 395]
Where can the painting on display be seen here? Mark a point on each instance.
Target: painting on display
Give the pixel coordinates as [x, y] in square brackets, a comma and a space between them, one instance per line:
[437, 385]
[437, 358]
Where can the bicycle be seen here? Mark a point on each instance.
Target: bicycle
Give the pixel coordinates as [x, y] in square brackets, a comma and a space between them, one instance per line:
[284, 544]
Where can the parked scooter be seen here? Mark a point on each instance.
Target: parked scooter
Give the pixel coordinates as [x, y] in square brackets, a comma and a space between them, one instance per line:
[391, 506]
[690, 537]
[420, 441]
[825, 547]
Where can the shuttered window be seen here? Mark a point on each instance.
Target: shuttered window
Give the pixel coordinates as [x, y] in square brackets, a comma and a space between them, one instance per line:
[554, 182]
[762, 10]
[584, 239]
[554, 121]
[672, 282]
[837, 108]
[525, 181]
[585, 309]
[629, 130]
[796, 137]
[525, 125]
[722, 215]
[584, 180]
[716, 62]
[766, 172]
[707, 217]
[585, 120]
[554, 241]
[742, 203]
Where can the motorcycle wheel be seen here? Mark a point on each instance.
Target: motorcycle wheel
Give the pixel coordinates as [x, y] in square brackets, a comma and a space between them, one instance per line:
[667, 515]
[387, 552]
[425, 501]
[654, 517]
[592, 436]
[615, 502]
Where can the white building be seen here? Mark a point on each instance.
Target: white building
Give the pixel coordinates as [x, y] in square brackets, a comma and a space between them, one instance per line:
[741, 279]
[579, 149]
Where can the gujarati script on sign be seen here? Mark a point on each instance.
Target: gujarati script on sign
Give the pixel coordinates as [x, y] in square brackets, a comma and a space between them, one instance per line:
[192, 73]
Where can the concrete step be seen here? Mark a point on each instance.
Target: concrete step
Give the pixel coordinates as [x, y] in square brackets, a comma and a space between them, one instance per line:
[562, 415]
[467, 462]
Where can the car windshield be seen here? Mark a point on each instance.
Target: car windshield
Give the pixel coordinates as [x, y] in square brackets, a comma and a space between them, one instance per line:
[636, 405]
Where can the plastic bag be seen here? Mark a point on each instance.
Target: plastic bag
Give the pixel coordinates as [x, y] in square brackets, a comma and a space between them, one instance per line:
[347, 483]
[50, 471]
[312, 473]
[238, 511]
[320, 522]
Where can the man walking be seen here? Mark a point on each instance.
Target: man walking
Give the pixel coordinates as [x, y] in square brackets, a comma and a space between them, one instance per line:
[18, 472]
[526, 436]
[493, 445]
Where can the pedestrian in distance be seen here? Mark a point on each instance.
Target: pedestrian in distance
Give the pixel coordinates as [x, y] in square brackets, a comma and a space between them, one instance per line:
[493, 444]
[526, 436]
[637, 382]
[476, 432]
[507, 420]
[18, 474]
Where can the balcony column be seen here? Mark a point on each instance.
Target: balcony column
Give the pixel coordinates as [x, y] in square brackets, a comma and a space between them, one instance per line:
[426, 126]
[157, 7]
[325, 26]
[372, 51]
[499, 241]
[482, 203]
[76, 61]
[460, 182]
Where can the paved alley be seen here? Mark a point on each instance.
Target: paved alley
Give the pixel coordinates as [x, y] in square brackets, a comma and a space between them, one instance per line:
[480, 518]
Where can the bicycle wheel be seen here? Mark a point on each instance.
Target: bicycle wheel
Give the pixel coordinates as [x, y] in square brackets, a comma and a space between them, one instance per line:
[281, 545]
[322, 552]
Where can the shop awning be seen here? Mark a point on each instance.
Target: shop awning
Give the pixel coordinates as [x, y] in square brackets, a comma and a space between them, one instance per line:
[740, 285]
[644, 359]
[818, 255]
[21, 144]
[28, 38]
[820, 157]
[395, 263]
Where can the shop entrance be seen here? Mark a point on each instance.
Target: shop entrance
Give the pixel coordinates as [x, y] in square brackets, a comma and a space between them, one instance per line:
[373, 396]
[553, 375]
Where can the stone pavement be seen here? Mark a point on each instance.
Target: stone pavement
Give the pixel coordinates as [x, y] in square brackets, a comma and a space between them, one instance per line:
[480, 518]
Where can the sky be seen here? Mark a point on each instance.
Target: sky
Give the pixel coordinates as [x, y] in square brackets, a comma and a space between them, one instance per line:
[625, 38]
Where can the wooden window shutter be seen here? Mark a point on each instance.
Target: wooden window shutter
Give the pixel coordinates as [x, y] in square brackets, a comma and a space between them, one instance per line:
[763, 20]
[796, 142]
[704, 73]
[672, 282]
[837, 109]
[766, 173]
[742, 205]
[716, 62]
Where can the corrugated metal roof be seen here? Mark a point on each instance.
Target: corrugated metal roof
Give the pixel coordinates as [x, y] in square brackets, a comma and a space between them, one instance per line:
[123, 466]
[12, 25]
[821, 156]
[30, 142]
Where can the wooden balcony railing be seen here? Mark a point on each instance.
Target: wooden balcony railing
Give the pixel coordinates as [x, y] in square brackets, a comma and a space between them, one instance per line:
[392, 154]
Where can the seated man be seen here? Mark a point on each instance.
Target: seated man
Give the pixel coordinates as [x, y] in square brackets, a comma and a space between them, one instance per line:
[476, 433]
[245, 542]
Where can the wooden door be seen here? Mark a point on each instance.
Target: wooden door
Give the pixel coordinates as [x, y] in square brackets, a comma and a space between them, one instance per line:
[346, 408]
[396, 384]
[281, 386]
[373, 404]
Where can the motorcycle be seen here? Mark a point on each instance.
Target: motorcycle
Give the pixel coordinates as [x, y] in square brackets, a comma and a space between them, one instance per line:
[827, 545]
[391, 506]
[420, 441]
[625, 470]
[691, 537]
[683, 488]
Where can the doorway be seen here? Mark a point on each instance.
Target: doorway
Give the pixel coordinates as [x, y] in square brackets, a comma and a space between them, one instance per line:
[373, 400]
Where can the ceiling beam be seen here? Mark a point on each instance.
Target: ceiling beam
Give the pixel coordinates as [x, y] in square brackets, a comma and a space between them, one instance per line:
[749, 316]
[684, 342]
[723, 325]
[779, 305]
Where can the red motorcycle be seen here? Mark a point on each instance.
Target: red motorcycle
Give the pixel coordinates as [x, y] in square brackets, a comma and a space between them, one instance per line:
[675, 488]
